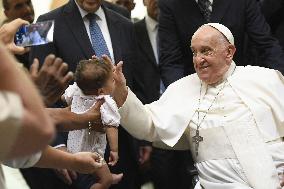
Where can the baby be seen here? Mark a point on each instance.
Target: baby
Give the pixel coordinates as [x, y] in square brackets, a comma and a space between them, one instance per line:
[94, 81]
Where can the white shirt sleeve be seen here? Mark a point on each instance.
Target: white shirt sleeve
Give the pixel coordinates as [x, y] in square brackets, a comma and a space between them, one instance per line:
[24, 162]
[69, 93]
[109, 112]
[11, 113]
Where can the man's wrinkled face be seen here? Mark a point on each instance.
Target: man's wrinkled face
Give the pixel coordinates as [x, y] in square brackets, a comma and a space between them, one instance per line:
[89, 5]
[20, 9]
[212, 54]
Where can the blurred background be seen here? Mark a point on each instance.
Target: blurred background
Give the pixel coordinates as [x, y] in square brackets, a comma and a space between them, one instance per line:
[42, 7]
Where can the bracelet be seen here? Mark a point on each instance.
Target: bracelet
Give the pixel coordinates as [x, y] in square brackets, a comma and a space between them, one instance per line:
[89, 127]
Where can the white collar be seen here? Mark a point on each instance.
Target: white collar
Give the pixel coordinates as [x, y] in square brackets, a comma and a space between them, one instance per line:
[99, 12]
[229, 72]
[151, 23]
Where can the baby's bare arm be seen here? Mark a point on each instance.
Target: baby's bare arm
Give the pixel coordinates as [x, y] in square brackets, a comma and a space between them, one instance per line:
[112, 136]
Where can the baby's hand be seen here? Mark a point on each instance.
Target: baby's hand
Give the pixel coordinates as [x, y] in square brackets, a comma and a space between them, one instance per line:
[113, 158]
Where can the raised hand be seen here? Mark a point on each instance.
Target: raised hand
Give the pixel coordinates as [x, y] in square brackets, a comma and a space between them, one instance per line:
[86, 162]
[113, 158]
[144, 154]
[7, 34]
[120, 91]
[52, 78]
[65, 175]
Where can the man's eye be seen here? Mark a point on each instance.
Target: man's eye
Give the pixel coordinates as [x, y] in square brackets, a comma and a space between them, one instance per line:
[207, 52]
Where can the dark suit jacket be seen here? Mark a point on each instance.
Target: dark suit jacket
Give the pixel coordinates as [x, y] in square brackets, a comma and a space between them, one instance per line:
[121, 10]
[71, 43]
[179, 19]
[273, 11]
[149, 75]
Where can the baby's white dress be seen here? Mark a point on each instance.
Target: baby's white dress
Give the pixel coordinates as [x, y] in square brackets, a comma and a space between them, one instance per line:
[81, 140]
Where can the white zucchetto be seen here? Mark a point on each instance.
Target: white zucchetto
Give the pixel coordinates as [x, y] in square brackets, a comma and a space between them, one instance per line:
[224, 30]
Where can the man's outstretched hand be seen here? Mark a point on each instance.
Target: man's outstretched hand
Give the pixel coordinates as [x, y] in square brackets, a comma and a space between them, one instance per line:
[120, 91]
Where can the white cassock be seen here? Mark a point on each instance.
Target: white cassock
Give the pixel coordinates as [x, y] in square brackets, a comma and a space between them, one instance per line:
[242, 131]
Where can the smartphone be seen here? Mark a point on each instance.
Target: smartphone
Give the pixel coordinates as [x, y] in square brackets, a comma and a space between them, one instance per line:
[39, 33]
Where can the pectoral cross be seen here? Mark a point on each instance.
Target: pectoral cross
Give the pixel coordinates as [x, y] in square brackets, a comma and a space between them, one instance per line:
[196, 139]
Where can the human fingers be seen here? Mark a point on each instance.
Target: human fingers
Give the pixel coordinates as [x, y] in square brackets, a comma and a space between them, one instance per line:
[68, 77]
[112, 161]
[72, 174]
[64, 176]
[16, 24]
[95, 57]
[97, 163]
[48, 61]
[17, 49]
[7, 34]
[99, 103]
[141, 155]
[86, 162]
[107, 59]
[57, 63]
[94, 112]
[63, 68]
[118, 75]
[34, 67]
[113, 158]
[119, 67]
[8, 30]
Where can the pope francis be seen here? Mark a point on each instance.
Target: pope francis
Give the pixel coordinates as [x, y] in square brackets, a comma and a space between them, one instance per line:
[231, 117]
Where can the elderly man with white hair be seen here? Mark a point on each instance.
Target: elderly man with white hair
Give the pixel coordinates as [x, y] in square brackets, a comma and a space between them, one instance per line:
[231, 117]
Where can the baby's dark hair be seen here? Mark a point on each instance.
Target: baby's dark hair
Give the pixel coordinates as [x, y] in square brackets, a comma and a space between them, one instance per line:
[91, 75]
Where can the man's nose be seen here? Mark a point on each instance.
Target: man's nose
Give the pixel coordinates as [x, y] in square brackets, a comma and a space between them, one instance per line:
[198, 59]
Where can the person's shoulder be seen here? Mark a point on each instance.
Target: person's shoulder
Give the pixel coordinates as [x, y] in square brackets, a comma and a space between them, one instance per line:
[168, 2]
[256, 69]
[192, 79]
[140, 23]
[140, 26]
[121, 10]
[257, 73]
[116, 17]
[52, 15]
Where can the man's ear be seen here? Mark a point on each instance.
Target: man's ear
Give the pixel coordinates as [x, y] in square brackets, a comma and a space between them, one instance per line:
[231, 51]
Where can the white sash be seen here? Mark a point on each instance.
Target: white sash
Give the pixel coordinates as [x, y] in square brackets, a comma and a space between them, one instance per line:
[241, 140]
[253, 155]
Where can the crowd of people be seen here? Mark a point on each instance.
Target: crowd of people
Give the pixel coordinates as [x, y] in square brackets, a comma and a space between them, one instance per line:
[188, 97]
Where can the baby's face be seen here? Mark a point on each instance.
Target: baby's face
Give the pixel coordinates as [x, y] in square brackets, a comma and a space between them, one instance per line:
[109, 86]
